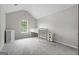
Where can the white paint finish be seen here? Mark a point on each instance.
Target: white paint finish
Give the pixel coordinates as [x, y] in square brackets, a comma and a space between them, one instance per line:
[2, 26]
[64, 24]
[13, 21]
[37, 10]
[10, 36]
[36, 46]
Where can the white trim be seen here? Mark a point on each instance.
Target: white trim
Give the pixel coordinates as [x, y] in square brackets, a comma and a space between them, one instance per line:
[27, 26]
[67, 45]
[24, 32]
[1, 47]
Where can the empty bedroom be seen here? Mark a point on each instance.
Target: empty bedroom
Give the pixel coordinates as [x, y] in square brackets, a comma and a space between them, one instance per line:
[38, 29]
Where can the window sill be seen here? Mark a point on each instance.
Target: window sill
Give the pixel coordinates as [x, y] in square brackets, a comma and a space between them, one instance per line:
[24, 32]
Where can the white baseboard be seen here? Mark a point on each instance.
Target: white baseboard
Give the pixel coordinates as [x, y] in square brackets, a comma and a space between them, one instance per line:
[67, 44]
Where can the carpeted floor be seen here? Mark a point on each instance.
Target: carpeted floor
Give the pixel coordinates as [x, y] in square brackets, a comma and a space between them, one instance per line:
[36, 46]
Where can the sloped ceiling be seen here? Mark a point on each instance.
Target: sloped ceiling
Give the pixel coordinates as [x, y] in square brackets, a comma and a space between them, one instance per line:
[37, 10]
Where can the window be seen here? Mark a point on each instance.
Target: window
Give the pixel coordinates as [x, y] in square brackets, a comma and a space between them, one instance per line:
[24, 26]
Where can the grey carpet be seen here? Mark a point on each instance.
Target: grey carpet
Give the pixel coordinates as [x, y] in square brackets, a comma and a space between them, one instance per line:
[36, 46]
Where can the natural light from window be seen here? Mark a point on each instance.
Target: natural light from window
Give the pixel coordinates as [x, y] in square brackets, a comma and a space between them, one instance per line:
[23, 26]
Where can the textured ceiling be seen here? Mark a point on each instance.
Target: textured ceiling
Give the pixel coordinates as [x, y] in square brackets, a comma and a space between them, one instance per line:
[37, 10]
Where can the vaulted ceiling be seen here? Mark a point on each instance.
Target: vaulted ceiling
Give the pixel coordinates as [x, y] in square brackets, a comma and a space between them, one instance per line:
[37, 10]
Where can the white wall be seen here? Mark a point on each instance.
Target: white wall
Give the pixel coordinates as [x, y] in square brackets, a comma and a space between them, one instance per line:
[14, 20]
[64, 24]
[2, 26]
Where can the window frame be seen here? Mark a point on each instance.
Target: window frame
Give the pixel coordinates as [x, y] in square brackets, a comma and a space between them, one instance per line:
[26, 26]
